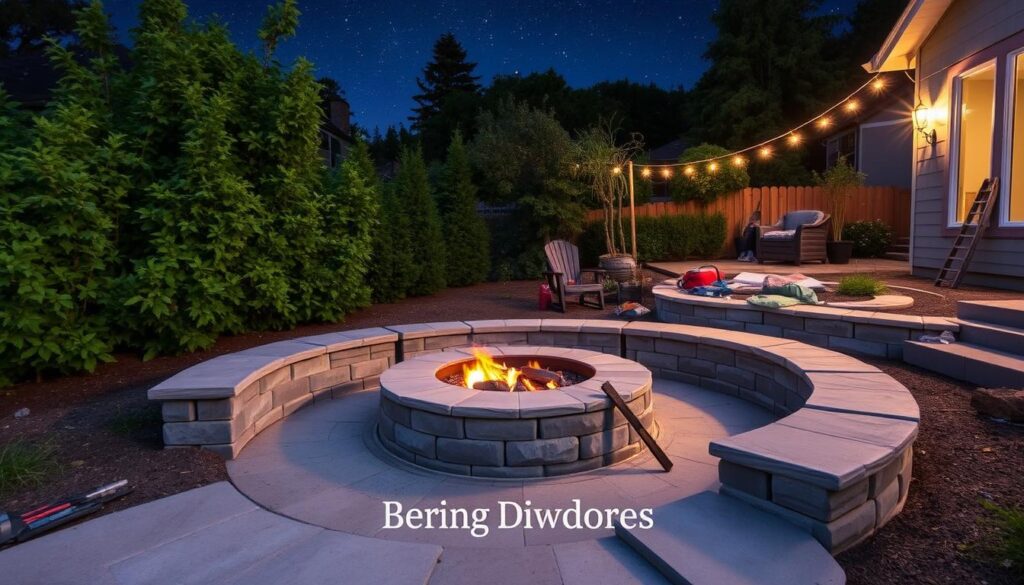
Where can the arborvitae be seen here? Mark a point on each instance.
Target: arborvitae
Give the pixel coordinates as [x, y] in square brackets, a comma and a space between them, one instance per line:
[385, 263]
[412, 189]
[467, 241]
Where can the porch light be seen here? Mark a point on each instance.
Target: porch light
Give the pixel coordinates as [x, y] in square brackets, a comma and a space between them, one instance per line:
[922, 119]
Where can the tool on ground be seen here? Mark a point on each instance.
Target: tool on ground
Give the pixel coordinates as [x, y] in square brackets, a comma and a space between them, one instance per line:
[634, 422]
[21, 527]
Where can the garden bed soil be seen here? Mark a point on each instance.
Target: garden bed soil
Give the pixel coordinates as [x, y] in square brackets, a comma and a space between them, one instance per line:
[103, 429]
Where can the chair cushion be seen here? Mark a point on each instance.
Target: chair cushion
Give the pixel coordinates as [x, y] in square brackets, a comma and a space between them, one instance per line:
[779, 235]
[793, 219]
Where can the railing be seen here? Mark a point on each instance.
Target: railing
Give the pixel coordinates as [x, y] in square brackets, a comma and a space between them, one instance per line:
[889, 204]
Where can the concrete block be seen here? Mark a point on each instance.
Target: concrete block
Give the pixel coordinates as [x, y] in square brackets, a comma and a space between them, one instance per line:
[178, 410]
[734, 375]
[508, 472]
[638, 343]
[676, 348]
[438, 425]
[748, 480]
[577, 424]
[202, 432]
[349, 356]
[622, 454]
[831, 327]
[290, 390]
[709, 312]
[507, 430]
[657, 360]
[887, 504]
[416, 442]
[744, 316]
[784, 321]
[310, 366]
[881, 480]
[443, 466]
[882, 333]
[698, 367]
[861, 346]
[293, 405]
[471, 451]
[411, 345]
[604, 442]
[817, 339]
[772, 330]
[330, 378]
[275, 378]
[727, 324]
[816, 502]
[718, 355]
[542, 451]
[269, 418]
[369, 368]
[396, 412]
[574, 466]
[446, 341]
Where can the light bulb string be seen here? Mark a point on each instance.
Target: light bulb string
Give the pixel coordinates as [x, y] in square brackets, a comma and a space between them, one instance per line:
[790, 132]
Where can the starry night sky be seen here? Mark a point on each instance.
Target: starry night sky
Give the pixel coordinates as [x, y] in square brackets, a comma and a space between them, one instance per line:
[375, 49]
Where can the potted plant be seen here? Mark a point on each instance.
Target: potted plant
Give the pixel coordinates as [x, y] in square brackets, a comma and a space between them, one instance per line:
[601, 163]
[840, 182]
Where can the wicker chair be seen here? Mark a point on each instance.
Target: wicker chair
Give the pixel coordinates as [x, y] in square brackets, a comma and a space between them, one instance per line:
[566, 277]
[799, 236]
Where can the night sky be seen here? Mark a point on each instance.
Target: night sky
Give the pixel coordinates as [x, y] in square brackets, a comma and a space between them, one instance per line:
[375, 49]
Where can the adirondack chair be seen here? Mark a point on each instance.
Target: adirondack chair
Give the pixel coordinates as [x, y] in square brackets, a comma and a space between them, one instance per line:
[565, 276]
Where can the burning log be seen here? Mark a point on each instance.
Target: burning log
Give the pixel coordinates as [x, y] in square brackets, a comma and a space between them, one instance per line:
[494, 385]
[542, 376]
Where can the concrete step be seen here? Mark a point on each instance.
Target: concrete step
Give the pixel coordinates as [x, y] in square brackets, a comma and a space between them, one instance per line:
[981, 366]
[710, 538]
[1000, 337]
[901, 256]
[1005, 313]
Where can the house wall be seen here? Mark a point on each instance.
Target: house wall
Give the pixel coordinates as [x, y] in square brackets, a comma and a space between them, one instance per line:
[971, 33]
[885, 146]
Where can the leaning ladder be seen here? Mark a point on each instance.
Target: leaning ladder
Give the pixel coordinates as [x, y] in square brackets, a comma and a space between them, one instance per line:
[975, 222]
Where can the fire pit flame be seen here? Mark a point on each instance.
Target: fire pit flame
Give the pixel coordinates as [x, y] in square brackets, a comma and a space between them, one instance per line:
[485, 373]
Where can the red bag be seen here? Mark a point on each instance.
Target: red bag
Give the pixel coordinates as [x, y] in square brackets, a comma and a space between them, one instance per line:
[701, 276]
[544, 297]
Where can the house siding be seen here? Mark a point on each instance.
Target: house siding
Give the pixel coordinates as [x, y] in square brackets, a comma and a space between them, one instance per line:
[970, 33]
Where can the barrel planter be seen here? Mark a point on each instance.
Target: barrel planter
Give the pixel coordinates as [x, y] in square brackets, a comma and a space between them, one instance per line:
[620, 267]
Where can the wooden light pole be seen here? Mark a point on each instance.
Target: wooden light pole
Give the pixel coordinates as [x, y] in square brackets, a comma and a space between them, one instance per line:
[632, 211]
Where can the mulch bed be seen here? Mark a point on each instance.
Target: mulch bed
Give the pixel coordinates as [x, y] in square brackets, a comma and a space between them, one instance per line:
[104, 429]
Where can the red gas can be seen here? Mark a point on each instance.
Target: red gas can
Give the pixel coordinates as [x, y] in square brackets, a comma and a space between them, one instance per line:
[544, 297]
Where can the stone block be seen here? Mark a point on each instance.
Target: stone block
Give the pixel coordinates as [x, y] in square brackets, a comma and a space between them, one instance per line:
[817, 502]
[719, 355]
[291, 406]
[542, 451]
[577, 424]
[179, 410]
[638, 343]
[271, 417]
[438, 425]
[646, 420]
[709, 312]
[734, 375]
[209, 432]
[371, 383]
[676, 348]
[507, 430]
[398, 450]
[604, 442]
[369, 368]
[784, 377]
[257, 407]
[446, 341]
[346, 388]
[347, 357]
[506, 338]
[419, 443]
[748, 480]
[508, 472]
[622, 454]
[411, 345]
[290, 390]
[727, 324]
[744, 316]
[881, 480]
[443, 466]
[847, 530]
[721, 386]
[887, 504]
[385, 426]
[657, 360]
[275, 378]
[784, 321]
[751, 363]
[599, 339]
[831, 327]
[396, 412]
[881, 333]
[906, 471]
[817, 339]
[683, 377]
[755, 397]
[861, 346]
[698, 367]
[773, 330]
[541, 338]
[330, 378]
[471, 451]
[574, 466]
[310, 366]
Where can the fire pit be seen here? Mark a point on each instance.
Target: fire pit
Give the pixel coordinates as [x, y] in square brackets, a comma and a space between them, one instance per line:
[512, 412]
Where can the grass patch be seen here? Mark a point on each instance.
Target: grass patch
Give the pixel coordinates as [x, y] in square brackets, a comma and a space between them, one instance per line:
[859, 285]
[23, 463]
[1006, 545]
[131, 423]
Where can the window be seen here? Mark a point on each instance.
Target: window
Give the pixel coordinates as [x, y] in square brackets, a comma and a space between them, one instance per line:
[843, 145]
[974, 108]
[1013, 166]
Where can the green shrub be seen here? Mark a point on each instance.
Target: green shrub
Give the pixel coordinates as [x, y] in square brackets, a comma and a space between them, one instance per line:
[467, 243]
[667, 237]
[1006, 547]
[870, 239]
[22, 463]
[703, 184]
[856, 285]
[412, 189]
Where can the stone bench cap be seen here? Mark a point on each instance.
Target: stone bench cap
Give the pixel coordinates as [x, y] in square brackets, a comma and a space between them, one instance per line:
[832, 450]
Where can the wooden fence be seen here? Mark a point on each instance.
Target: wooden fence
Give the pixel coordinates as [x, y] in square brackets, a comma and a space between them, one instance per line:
[889, 204]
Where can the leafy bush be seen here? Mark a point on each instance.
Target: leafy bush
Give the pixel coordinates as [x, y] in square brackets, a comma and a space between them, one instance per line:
[412, 189]
[667, 237]
[467, 243]
[857, 285]
[706, 183]
[870, 238]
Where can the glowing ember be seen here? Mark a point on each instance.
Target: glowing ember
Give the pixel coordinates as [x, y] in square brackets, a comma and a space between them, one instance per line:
[484, 373]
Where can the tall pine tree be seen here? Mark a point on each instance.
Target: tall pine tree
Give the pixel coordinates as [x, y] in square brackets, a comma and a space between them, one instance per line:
[449, 72]
[412, 190]
[466, 239]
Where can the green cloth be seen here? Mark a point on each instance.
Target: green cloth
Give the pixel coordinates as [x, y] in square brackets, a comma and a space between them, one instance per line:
[796, 291]
[772, 301]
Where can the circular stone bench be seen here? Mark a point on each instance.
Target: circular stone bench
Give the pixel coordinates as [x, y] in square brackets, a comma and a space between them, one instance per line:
[877, 334]
[836, 463]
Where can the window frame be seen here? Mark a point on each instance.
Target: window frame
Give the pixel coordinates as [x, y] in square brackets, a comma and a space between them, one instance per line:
[956, 107]
[1006, 164]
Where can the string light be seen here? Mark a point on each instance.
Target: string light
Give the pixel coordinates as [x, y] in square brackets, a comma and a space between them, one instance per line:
[824, 122]
[666, 173]
[765, 152]
[878, 84]
[852, 106]
[738, 160]
[688, 171]
[617, 170]
[712, 167]
[794, 139]
[645, 172]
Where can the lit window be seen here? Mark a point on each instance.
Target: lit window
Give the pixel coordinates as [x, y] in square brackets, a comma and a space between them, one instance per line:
[1014, 205]
[974, 112]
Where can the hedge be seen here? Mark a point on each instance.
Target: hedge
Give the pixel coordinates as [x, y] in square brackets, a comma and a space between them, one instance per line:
[668, 237]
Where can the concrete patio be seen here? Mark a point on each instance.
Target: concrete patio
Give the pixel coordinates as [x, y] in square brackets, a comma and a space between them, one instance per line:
[732, 267]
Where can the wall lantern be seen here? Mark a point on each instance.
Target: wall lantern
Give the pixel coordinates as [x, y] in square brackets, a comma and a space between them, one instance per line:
[922, 118]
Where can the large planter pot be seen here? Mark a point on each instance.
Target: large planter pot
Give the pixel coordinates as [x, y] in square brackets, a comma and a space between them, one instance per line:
[839, 252]
[630, 291]
[620, 267]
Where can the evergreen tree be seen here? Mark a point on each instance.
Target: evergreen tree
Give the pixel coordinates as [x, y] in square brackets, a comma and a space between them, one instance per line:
[466, 239]
[412, 193]
[448, 98]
